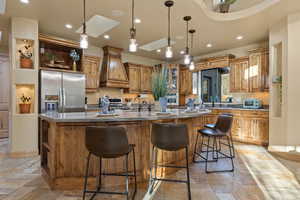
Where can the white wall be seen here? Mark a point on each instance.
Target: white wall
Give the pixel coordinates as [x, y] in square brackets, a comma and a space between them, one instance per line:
[284, 131]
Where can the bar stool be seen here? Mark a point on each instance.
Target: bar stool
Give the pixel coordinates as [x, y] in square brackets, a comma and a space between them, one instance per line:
[212, 126]
[220, 130]
[169, 137]
[108, 143]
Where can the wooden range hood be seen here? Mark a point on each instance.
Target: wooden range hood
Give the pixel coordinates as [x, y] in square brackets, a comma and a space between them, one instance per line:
[113, 72]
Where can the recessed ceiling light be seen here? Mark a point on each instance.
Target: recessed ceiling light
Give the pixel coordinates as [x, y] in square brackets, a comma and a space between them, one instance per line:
[106, 37]
[158, 50]
[137, 20]
[240, 37]
[69, 26]
[209, 45]
[182, 52]
[24, 1]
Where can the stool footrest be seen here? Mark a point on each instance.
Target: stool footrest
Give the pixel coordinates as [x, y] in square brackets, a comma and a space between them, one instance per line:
[169, 180]
[106, 192]
[116, 174]
[169, 166]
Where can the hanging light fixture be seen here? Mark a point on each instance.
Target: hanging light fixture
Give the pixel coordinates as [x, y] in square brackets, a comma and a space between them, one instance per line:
[192, 63]
[132, 41]
[169, 52]
[84, 42]
[187, 57]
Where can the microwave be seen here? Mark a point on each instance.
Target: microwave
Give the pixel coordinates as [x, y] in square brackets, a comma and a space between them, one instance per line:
[252, 103]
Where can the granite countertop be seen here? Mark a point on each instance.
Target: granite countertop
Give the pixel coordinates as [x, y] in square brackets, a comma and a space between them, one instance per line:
[122, 116]
[247, 109]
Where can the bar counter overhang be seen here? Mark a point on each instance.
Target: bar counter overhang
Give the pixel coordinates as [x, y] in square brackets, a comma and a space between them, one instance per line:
[63, 151]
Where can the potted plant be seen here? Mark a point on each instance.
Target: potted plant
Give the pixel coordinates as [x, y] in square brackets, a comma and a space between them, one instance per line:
[75, 57]
[160, 87]
[25, 57]
[51, 57]
[25, 105]
[225, 5]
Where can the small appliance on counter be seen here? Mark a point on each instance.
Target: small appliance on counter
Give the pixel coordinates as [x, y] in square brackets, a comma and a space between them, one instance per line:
[252, 104]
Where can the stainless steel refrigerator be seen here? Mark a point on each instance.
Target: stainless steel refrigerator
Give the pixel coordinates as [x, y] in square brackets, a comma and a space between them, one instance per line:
[62, 91]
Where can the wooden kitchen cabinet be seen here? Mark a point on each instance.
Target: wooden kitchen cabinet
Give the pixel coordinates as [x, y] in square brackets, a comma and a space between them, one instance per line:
[140, 78]
[239, 75]
[185, 81]
[146, 79]
[113, 72]
[91, 69]
[258, 70]
[3, 124]
[249, 126]
[185, 84]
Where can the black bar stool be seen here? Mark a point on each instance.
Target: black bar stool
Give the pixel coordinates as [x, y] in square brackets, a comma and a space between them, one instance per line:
[169, 137]
[108, 143]
[212, 126]
[220, 130]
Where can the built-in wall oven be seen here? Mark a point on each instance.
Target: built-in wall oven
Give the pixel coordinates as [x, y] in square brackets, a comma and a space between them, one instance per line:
[173, 99]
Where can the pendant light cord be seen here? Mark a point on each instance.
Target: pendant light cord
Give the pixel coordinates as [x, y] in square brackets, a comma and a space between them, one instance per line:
[192, 41]
[187, 37]
[84, 24]
[169, 27]
[132, 17]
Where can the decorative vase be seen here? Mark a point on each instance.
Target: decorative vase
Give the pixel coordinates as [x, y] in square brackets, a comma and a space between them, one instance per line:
[163, 101]
[26, 63]
[24, 108]
[74, 66]
[224, 7]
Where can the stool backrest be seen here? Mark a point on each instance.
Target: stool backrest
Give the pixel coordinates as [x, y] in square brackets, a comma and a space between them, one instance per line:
[169, 137]
[107, 142]
[224, 123]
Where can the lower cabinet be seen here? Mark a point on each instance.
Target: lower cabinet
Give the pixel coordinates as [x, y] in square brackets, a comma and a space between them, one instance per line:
[3, 124]
[248, 126]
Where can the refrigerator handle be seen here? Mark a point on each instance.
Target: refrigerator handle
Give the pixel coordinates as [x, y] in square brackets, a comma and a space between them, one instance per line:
[64, 97]
[60, 100]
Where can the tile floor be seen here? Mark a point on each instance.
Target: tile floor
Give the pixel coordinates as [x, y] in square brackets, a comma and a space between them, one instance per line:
[258, 176]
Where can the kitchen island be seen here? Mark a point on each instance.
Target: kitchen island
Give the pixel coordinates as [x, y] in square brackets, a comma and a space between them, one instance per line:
[63, 151]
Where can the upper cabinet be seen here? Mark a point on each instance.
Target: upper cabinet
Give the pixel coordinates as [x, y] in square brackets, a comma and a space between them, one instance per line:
[250, 74]
[146, 79]
[113, 73]
[214, 62]
[259, 70]
[185, 81]
[239, 80]
[91, 69]
[140, 78]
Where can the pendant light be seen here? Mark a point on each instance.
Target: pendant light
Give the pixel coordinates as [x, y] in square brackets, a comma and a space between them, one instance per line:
[132, 41]
[187, 57]
[192, 63]
[84, 42]
[169, 52]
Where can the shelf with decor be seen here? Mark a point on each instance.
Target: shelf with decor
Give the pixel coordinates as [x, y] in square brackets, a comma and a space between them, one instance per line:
[59, 54]
[24, 54]
[25, 96]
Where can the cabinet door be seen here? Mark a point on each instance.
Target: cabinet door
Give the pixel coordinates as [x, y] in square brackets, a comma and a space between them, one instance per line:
[146, 79]
[239, 76]
[255, 72]
[134, 78]
[185, 82]
[91, 69]
[3, 124]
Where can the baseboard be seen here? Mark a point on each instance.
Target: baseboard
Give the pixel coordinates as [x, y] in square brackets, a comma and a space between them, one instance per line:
[22, 154]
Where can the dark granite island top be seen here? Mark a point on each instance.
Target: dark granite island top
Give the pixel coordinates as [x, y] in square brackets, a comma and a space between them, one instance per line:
[121, 116]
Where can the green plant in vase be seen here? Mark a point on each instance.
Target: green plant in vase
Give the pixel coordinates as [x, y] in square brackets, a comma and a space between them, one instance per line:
[25, 104]
[75, 57]
[160, 87]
